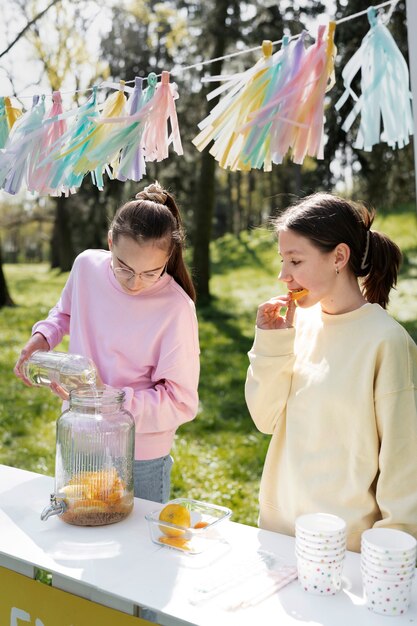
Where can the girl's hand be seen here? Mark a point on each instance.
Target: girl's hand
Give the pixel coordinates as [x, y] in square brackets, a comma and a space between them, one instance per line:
[64, 394]
[59, 391]
[269, 315]
[36, 342]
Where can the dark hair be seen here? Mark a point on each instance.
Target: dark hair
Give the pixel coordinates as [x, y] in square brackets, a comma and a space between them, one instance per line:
[327, 220]
[154, 215]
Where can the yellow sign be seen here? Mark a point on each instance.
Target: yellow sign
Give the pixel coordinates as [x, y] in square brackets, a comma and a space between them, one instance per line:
[24, 602]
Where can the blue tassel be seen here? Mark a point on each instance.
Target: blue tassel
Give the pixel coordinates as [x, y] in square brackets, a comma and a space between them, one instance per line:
[385, 90]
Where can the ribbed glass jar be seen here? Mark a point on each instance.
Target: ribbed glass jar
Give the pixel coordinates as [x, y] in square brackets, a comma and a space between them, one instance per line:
[95, 441]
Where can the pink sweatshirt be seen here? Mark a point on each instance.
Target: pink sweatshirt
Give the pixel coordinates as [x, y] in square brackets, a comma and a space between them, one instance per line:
[145, 344]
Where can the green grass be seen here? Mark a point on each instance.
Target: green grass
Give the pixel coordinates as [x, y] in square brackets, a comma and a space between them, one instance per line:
[219, 456]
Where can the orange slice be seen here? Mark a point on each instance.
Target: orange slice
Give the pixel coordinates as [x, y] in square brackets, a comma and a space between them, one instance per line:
[175, 542]
[200, 525]
[296, 295]
[174, 513]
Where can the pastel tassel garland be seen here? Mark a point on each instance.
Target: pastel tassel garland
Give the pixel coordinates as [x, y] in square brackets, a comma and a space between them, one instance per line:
[273, 109]
[385, 90]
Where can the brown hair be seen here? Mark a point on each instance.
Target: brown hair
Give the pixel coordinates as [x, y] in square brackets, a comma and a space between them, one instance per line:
[154, 215]
[327, 220]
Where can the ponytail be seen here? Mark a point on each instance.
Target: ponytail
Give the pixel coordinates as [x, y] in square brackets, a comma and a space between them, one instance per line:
[384, 263]
[176, 264]
[154, 215]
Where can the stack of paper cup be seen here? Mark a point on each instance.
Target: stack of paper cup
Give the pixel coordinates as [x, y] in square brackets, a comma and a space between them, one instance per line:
[320, 546]
[388, 562]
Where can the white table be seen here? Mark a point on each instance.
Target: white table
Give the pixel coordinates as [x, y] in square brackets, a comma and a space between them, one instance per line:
[118, 566]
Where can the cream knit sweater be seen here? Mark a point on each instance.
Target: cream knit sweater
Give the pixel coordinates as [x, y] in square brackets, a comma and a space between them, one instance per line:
[338, 395]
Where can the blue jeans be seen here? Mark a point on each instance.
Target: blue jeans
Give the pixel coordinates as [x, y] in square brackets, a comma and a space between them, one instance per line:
[152, 479]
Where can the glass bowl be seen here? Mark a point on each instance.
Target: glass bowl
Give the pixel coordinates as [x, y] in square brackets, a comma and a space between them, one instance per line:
[200, 534]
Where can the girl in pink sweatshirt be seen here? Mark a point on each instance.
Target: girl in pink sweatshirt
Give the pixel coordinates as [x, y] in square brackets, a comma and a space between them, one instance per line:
[131, 310]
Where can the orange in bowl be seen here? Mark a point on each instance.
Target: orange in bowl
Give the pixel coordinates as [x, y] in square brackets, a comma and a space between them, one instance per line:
[175, 513]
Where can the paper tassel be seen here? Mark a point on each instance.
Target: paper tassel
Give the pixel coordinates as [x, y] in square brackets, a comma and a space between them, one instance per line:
[301, 103]
[63, 176]
[128, 139]
[385, 90]
[4, 126]
[223, 125]
[280, 113]
[21, 148]
[256, 150]
[310, 132]
[132, 159]
[160, 115]
[114, 106]
[54, 128]
[12, 113]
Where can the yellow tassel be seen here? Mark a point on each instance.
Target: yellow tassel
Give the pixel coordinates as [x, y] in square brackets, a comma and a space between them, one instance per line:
[12, 113]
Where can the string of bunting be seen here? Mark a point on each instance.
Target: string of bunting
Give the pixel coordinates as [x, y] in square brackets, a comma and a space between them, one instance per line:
[271, 110]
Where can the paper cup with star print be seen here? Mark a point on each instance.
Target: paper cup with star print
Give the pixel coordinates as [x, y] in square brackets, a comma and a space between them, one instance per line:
[386, 597]
[323, 579]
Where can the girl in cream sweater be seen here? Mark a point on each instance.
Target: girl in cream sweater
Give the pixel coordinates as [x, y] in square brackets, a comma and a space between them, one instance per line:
[333, 377]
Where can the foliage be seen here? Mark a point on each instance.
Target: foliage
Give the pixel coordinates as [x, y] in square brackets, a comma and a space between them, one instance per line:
[219, 456]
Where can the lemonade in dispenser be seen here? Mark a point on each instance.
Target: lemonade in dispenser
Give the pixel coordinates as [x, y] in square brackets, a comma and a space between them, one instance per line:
[94, 459]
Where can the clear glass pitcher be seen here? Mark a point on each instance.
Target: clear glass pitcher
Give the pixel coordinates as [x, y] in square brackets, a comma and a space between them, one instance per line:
[68, 370]
[95, 440]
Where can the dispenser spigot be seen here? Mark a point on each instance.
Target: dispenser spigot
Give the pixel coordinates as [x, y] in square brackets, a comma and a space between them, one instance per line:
[57, 506]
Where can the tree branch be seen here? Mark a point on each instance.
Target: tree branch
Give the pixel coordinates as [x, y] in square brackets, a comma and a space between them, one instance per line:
[28, 25]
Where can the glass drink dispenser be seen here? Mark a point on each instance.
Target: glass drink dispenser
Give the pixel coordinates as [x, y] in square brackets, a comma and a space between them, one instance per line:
[94, 459]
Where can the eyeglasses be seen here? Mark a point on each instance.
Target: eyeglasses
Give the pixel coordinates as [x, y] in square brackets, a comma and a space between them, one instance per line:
[125, 275]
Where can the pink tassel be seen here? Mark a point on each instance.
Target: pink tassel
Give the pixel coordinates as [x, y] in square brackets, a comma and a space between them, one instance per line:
[159, 112]
[39, 176]
[299, 122]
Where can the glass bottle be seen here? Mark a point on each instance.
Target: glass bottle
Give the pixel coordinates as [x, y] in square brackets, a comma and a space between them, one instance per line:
[95, 440]
[68, 370]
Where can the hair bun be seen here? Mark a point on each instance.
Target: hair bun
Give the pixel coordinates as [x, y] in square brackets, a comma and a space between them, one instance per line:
[154, 193]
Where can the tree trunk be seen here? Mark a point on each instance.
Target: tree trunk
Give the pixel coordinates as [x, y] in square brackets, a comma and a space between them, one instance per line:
[203, 226]
[204, 210]
[62, 249]
[5, 299]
